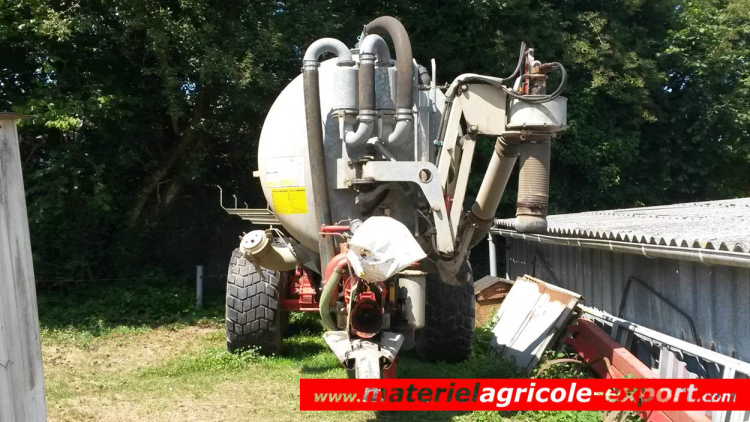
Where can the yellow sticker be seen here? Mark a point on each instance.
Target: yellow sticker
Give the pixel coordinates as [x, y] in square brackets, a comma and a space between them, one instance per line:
[289, 200]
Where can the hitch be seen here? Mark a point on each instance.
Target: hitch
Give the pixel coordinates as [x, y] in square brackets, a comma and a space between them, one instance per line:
[368, 358]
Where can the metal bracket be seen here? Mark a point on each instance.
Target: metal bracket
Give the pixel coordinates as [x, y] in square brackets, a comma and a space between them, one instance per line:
[462, 179]
[425, 175]
[482, 107]
[259, 216]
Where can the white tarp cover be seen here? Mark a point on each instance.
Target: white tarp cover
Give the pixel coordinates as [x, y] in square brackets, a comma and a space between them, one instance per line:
[381, 247]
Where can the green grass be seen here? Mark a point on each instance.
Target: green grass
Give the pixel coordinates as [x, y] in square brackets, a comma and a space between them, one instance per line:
[83, 313]
[185, 363]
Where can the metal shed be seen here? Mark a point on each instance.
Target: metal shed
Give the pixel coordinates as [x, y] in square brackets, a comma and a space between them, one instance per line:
[681, 269]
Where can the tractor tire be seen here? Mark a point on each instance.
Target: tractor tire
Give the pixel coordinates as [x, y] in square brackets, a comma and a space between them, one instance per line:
[253, 315]
[449, 322]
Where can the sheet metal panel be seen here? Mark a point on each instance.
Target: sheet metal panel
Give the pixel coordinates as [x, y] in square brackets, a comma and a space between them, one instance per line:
[715, 299]
[720, 225]
[529, 318]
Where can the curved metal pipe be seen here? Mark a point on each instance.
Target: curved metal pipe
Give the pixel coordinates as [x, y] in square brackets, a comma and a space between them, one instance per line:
[388, 25]
[313, 120]
[375, 44]
[327, 45]
[365, 126]
[372, 46]
[403, 125]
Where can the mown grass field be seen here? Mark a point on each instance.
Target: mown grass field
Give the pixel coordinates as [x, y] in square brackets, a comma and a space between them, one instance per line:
[142, 353]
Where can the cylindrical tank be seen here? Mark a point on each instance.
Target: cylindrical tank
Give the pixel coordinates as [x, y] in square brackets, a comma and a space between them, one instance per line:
[282, 156]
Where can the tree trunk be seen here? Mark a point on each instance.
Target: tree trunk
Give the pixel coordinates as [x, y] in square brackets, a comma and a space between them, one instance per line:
[179, 153]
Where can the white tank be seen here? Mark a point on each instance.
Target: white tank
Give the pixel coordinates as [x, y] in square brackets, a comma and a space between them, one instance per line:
[283, 167]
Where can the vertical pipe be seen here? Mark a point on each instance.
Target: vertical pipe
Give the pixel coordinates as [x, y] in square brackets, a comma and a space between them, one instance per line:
[316, 158]
[493, 254]
[533, 187]
[314, 123]
[371, 46]
[199, 286]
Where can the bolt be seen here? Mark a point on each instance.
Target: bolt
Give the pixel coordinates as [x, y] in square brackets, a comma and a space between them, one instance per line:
[425, 175]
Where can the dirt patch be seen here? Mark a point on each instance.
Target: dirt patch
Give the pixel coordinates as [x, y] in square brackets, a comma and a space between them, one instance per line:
[128, 351]
[104, 382]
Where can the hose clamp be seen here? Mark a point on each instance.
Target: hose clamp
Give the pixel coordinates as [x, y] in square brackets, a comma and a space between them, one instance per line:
[366, 115]
[310, 65]
[366, 58]
[404, 114]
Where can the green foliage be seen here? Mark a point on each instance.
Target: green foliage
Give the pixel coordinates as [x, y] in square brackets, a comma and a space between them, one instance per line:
[82, 313]
[210, 360]
[703, 148]
[547, 369]
[140, 106]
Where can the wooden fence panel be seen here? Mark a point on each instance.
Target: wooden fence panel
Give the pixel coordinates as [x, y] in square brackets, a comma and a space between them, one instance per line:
[21, 376]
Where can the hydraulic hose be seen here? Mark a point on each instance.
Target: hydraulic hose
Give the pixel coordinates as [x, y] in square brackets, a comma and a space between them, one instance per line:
[519, 63]
[538, 99]
[326, 298]
[332, 275]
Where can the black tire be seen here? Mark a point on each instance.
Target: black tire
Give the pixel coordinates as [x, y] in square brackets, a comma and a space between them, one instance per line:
[253, 318]
[449, 322]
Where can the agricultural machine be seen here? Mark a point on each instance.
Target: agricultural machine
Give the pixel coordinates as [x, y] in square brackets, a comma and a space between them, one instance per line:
[365, 163]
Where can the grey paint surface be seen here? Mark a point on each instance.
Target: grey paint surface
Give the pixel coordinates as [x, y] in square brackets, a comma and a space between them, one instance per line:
[21, 377]
[715, 298]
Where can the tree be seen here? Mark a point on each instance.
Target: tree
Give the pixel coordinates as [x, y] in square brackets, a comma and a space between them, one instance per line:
[141, 106]
[700, 144]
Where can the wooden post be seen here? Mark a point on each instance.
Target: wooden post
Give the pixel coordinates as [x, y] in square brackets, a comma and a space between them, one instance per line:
[199, 286]
[21, 377]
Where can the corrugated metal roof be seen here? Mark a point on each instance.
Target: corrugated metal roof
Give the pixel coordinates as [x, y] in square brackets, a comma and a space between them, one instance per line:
[719, 225]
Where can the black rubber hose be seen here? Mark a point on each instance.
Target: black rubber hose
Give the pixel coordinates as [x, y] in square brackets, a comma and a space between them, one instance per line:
[537, 99]
[519, 63]
[390, 26]
[311, 91]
